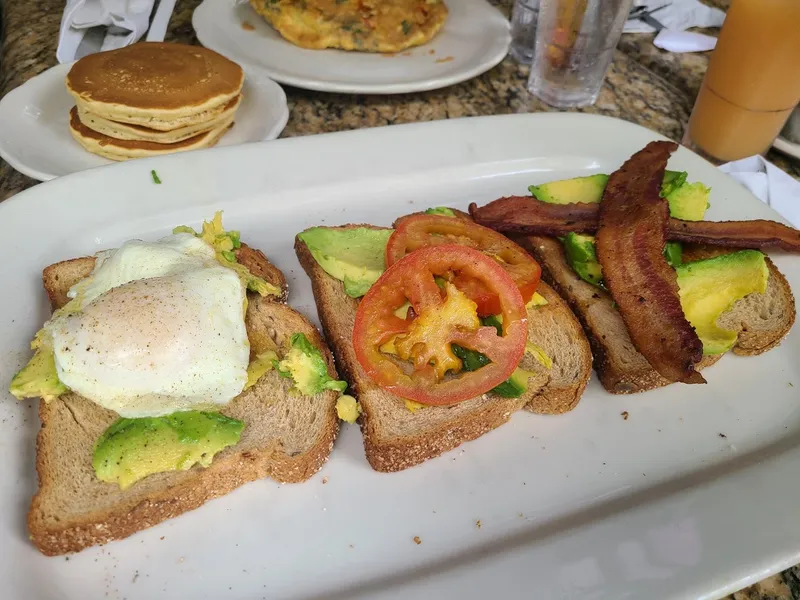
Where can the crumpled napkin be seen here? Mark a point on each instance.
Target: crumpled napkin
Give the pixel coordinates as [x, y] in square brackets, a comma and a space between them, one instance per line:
[684, 41]
[124, 22]
[769, 184]
[678, 16]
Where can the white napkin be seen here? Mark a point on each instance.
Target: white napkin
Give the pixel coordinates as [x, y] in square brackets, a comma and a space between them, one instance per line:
[684, 41]
[678, 16]
[769, 184]
[125, 22]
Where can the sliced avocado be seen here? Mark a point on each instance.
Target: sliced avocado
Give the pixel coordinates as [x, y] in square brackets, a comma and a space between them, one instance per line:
[471, 359]
[710, 287]
[259, 366]
[566, 191]
[355, 257]
[673, 252]
[689, 202]
[305, 365]
[686, 201]
[38, 379]
[672, 181]
[131, 449]
[514, 386]
[441, 210]
[582, 257]
[517, 383]
[580, 247]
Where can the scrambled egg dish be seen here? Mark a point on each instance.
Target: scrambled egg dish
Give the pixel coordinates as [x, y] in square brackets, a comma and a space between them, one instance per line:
[361, 25]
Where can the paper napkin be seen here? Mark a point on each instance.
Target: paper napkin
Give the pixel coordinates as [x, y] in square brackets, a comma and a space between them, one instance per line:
[769, 184]
[684, 41]
[679, 15]
[109, 24]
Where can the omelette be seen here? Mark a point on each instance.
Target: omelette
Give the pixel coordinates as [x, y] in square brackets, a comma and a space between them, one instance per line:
[360, 25]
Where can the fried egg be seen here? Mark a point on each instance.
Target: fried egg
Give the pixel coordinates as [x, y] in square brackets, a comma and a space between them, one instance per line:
[159, 327]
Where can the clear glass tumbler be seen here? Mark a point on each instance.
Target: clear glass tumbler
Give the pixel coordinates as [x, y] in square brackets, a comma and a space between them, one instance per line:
[523, 30]
[575, 42]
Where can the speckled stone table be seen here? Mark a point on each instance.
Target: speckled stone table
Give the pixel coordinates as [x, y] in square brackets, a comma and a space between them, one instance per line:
[644, 85]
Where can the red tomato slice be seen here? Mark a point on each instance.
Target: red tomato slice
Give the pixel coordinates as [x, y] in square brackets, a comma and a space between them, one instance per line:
[419, 231]
[442, 318]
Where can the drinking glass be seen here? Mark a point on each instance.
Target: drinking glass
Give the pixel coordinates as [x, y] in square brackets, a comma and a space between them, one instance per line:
[752, 83]
[523, 30]
[575, 42]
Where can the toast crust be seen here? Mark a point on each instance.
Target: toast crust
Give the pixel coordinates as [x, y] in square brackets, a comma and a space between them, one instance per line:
[451, 426]
[622, 369]
[268, 448]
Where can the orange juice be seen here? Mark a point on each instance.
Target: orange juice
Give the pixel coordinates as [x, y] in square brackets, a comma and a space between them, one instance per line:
[753, 80]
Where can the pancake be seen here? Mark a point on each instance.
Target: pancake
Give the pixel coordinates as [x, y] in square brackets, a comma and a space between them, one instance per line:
[113, 149]
[126, 131]
[154, 84]
[360, 25]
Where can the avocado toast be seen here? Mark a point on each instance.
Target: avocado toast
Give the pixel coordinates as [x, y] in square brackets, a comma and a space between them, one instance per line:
[344, 263]
[729, 295]
[102, 477]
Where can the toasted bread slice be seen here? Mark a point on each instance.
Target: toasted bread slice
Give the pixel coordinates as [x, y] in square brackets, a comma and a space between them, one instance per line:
[762, 320]
[396, 438]
[286, 437]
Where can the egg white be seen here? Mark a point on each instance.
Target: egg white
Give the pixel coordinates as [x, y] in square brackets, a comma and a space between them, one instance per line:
[160, 329]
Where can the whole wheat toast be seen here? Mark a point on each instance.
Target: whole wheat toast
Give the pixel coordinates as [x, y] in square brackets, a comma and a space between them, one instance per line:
[762, 320]
[396, 438]
[286, 437]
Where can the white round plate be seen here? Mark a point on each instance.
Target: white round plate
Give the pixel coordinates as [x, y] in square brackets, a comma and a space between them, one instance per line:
[474, 38]
[787, 147]
[34, 124]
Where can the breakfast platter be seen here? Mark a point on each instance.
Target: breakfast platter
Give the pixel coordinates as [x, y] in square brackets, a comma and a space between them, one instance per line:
[473, 39]
[602, 493]
[42, 138]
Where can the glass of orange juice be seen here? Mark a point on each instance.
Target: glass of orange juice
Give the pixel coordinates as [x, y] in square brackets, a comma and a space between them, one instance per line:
[752, 83]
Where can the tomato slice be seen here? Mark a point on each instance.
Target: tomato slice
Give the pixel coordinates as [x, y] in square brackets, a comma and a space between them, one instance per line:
[423, 365]
[418, 231]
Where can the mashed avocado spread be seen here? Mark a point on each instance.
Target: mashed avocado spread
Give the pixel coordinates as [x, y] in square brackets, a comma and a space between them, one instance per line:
[304, 364]
[225, 243]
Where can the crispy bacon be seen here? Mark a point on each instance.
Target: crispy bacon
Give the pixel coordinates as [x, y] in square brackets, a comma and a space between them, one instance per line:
[526, 215]
[736, 234]
[529, 216]
[630, 241]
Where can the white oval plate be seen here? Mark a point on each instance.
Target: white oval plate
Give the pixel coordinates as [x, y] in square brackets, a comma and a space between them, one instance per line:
[34, 124]
[474, 38]
[585, 505]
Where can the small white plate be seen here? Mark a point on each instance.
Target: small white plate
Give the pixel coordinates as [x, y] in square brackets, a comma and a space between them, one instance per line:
[474, 38]
[787, 147]
[34, 124]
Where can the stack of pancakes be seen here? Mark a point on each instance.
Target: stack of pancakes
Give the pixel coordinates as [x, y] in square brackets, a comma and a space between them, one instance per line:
[152, 98]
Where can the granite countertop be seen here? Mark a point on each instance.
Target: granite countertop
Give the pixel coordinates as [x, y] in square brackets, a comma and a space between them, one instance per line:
[644, 85]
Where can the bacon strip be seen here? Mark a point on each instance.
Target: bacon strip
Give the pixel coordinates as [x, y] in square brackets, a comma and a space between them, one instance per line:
[526, 215]
[630, 241]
